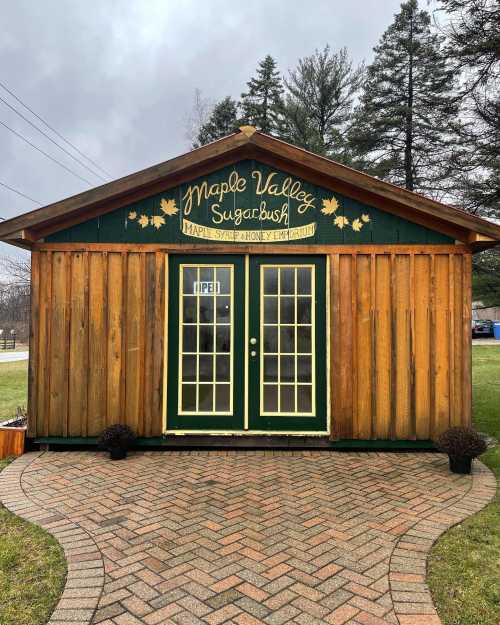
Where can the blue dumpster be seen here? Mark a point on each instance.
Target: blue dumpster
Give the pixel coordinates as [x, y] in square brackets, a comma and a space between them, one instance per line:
[496, 330]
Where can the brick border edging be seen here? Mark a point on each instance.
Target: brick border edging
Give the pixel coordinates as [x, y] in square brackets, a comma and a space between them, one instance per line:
[85, 569]
[415, 545]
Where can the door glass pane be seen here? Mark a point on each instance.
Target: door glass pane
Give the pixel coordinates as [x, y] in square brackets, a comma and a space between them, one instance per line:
[223, 311]
[223, 339]
[287, 398]
[206, 370]
[189, 368]
[287, 359]
[287, 309]
[304, 397]
[304, 369]
[287, 280]
[222, 368]
[287, 339]
[189, 397]
[303, 310]
[189, 312]
[287, 368]
[270, 398]
[206, 396]
[303, 280]
[304, 339]
[222, 399]
[190, 276]
[206, 336]
[206, 309]
[270, 368]
[270, 340]
[206, 275]
[189, 339]
[224, 280]
[271, 281]
[270, 309]
[206, 341]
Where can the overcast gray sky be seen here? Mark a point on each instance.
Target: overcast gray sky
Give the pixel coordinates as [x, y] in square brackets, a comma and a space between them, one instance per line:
[117, 78]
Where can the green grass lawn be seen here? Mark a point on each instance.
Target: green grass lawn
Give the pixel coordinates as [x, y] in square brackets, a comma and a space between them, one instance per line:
[32, 570]
[13, 387]
[464, 567]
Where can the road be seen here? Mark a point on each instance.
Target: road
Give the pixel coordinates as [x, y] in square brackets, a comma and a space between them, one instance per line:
[13, 356]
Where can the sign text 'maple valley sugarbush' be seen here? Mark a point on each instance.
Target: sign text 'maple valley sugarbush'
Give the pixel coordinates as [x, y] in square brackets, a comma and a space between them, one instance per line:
[248, 206]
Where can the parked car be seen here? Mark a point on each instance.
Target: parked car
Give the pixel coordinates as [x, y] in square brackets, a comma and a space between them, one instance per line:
[482, 327]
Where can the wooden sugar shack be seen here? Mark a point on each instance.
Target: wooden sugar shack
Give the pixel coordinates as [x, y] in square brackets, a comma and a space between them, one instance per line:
[250, 292]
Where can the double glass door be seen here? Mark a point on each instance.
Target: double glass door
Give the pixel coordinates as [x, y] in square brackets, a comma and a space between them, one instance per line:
[246, 343]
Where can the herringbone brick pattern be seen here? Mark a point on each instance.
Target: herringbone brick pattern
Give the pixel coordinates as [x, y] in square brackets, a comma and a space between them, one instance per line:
[249, 538]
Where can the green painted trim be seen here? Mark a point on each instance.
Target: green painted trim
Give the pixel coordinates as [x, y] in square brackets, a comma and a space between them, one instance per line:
[324, 443]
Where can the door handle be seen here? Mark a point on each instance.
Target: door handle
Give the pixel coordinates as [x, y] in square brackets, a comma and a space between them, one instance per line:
[253, 341]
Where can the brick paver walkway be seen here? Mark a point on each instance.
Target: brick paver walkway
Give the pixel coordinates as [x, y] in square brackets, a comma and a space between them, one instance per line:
[244, 538]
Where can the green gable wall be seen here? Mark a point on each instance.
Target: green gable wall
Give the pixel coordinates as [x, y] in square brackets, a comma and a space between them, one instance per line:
[253, 203]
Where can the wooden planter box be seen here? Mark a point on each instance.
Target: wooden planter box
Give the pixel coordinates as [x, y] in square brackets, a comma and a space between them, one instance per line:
[11, 441]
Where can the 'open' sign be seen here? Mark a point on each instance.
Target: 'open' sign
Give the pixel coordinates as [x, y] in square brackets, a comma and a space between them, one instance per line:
[206, 288]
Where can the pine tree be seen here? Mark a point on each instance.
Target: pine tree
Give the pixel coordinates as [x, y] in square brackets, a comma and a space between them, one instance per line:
[473, 33]
[223, 121]
[319, 101]
[403, 130]
[262, 104]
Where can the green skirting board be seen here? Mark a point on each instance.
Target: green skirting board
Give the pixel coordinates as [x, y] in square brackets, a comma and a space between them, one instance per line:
[250, 442]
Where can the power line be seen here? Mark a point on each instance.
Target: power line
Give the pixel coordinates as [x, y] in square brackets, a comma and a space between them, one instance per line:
[54, 130]
[18, 193]
[45, 153]
[50, 139]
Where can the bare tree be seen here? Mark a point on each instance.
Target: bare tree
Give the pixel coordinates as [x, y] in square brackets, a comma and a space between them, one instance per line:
[198, 116]
[15, 296]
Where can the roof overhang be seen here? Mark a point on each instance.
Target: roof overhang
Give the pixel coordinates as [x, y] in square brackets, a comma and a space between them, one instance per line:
[28, 228]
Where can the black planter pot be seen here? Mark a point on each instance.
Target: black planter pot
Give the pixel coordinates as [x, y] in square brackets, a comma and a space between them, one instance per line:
[117, 453]
[460, 464]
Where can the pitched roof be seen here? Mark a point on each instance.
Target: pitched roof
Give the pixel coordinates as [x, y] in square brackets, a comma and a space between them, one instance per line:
[30, 227]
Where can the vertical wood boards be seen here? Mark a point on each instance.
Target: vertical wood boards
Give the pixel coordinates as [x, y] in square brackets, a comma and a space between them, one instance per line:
[114, 393]
[422, 348]
[383, 348]
[59, 343]
[97, 338]
[399, 342]
[363, 354]
[78, 344]
[96, 342]
[34, 344]
[400, 361]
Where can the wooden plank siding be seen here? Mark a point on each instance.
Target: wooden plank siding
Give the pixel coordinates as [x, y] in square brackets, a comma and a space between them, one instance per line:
[399, 340]
[97, 343]
[400, 366]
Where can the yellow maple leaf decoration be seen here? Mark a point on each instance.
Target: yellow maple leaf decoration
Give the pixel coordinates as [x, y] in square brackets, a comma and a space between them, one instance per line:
[341, 221]
[157, 221]
[144, 221]
[356, 225]
[169, 207]
[132, 215]
[365, 218]
[329, 206]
